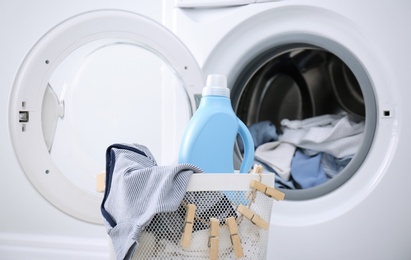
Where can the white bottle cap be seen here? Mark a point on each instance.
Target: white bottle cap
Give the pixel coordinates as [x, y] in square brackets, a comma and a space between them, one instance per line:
[216, 86]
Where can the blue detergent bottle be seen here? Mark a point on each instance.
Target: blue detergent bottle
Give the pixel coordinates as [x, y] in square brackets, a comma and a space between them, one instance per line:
[210, 136]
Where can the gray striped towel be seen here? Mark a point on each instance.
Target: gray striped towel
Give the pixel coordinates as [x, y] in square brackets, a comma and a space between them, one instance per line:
[136, 190]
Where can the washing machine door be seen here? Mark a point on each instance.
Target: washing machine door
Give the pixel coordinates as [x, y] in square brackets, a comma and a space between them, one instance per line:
[96, 79]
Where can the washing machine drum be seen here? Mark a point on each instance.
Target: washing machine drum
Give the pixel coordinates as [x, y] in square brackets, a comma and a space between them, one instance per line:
[296, 85]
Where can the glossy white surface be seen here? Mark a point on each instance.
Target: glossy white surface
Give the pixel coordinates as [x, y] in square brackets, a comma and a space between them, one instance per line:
[363, 217]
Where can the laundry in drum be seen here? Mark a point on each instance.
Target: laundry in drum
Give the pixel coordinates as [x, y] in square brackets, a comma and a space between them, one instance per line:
[309, 152]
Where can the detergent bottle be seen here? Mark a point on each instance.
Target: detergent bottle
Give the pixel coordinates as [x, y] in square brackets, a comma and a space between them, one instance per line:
[210, 136]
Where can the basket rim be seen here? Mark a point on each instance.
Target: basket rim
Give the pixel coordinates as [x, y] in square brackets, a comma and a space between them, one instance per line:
[227, 181]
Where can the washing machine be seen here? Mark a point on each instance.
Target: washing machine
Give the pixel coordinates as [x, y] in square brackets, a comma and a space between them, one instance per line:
[299, 60]
[77, 77]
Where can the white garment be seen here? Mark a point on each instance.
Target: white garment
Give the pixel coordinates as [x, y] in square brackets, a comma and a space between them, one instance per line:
[278, 156]
[337, 135]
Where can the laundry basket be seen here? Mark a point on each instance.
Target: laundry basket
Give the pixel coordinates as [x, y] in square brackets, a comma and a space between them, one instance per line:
[221, 217]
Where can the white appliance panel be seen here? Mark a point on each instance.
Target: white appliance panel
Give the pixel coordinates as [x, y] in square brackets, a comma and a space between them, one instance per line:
[359, 216]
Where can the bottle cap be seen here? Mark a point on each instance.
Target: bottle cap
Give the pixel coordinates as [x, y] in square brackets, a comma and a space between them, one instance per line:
[216, 86]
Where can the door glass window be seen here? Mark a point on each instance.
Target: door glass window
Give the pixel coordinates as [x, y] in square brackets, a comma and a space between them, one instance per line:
[110, 92]
[307, 109]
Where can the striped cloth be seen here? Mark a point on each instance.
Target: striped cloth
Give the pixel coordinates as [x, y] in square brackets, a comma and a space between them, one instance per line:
[136, 190]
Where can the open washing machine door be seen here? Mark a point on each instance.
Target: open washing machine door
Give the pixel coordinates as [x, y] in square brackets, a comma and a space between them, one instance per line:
[96, 79]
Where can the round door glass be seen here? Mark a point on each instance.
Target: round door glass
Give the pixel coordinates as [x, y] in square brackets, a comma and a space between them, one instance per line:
[107, 92]
[307, 109]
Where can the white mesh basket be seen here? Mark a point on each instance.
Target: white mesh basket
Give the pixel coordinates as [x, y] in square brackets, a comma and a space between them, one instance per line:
[215, 196]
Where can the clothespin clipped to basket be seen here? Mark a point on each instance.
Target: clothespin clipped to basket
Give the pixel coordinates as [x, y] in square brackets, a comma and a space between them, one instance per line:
[101, 182]
[214, 238]
[254, 218]
[188, 225]
[235, 237]
[257, 168]
[268, 191]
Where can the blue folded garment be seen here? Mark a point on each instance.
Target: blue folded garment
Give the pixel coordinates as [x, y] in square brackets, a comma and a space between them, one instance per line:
[306, 170]
[262, 132]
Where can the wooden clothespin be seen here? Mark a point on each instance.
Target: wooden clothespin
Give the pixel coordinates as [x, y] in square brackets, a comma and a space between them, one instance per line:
[269, 191]
[101, 182]
[254, 218]
[235, 237]
[188, 225]
[257, 168]
[214, 238]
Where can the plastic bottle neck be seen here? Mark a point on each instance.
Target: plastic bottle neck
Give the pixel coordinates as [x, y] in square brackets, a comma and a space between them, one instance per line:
[216, 86]
[211, 99]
